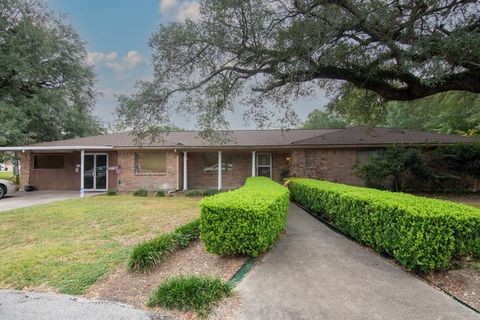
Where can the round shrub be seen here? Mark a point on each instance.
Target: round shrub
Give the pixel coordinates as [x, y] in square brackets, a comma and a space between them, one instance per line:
[160, 193]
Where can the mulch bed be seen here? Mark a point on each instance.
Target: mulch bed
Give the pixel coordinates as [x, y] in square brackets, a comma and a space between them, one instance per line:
[462, 283]
[135, 288]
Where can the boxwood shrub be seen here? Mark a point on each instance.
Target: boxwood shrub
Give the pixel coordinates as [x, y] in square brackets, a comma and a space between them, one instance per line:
[423, 234]
[247, 220]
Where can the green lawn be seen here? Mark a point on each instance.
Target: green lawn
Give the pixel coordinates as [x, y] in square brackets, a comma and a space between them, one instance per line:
[7, 175]
[68, 245]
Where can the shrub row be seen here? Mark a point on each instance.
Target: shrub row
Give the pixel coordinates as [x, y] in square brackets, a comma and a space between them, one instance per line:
[148, 254]
[423, 234]
[244, 221]
[201, 192]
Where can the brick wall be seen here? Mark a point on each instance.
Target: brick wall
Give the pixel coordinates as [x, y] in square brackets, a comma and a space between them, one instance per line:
[66, 178]
[25, 159]
[129, 181]
[241, 170]
[330, 164]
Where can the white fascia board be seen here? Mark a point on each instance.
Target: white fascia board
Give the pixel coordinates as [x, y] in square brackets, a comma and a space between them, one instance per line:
[52, 148]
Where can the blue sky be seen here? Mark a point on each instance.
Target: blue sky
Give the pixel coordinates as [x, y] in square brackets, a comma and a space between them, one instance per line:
[117, 33]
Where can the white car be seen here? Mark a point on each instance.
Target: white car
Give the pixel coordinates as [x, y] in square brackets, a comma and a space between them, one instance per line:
[6, 187]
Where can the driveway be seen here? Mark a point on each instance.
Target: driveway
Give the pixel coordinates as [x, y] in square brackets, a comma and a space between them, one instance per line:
[316, 273]
[17, 305]
[21, 199]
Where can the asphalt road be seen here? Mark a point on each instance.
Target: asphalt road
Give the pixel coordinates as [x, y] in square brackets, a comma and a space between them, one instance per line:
[18, 305]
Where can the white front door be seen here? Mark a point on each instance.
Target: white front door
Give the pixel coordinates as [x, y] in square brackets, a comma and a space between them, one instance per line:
[264, 165]
[95, 173]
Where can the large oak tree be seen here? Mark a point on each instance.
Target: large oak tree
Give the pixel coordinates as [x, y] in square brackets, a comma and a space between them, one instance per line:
[276, 50]
[46, 87]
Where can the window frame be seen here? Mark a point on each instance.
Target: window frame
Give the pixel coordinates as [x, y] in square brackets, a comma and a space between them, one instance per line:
[258, 165]
[226, 159]
[48, 154]
[369, 153]
[308, 164]
[136, 165]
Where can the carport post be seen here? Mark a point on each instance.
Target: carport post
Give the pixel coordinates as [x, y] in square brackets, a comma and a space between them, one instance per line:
[82, 167]
[219, 171]
[185, 159]
[253, 164]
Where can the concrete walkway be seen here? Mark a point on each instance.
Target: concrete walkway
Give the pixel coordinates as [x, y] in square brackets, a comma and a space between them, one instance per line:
[21, 199]
[17, 305]
[316, 273]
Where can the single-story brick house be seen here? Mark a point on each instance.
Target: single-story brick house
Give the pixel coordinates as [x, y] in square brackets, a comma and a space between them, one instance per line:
[182, 160]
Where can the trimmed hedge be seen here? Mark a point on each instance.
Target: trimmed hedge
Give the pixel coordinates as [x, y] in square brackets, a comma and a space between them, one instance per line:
[423, 234]
[149, 253]
[244, 221]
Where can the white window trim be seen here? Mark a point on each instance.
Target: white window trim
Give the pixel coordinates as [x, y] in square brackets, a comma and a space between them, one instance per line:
[264, 165]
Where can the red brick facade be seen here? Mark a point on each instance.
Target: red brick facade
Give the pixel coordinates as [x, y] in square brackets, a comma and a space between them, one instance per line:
[330, 164]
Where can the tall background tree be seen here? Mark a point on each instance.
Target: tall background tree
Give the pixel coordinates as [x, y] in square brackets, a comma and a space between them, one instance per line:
[260, 51]
[46, 87]
[454, 112]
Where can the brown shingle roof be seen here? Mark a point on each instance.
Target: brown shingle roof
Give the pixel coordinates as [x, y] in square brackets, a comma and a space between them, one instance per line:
[238, 138]
[271, 138]
[381, 136]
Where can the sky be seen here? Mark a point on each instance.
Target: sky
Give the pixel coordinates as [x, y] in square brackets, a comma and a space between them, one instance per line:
[116, 33]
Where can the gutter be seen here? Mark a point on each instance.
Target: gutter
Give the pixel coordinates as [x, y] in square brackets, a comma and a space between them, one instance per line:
[58, 148]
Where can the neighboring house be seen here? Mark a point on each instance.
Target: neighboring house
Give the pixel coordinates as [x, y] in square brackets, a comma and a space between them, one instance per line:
[182, 160]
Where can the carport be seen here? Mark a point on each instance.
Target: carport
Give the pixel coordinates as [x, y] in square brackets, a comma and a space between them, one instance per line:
[66, 168]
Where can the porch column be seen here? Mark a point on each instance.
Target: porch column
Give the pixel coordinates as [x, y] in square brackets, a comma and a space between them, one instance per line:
[185, 157]
[219, 171]
[82, 177]
[253, 163]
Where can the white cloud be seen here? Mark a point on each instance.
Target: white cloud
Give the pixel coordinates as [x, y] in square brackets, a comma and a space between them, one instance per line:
[97, 57]
[188, 10]
[166, 5]
[127, 63]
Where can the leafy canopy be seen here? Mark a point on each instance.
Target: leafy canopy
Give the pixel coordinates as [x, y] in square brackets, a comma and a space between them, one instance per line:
[453, 112]
[46, 87]
[261, 51]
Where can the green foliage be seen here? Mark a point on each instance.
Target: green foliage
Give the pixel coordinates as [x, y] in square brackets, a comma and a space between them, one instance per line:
[423, 234]
[201, 192]
[47, 89]
[394, 163]
[321, 119]
[160, 193]
[245, 221]
[452, 112]
[140, 192]
[460, 158]
[148, 254]
[190, 293]
[205, 66]
[444, 168]
[112, 192]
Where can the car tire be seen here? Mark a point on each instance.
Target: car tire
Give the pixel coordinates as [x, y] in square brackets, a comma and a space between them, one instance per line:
[3, 191]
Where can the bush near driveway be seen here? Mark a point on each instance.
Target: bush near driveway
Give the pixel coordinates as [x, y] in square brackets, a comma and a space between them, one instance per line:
[148, 254]
[190, 293]
[244, 221]
[421, 233]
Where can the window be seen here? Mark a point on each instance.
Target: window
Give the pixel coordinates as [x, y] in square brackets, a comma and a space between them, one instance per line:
[310, 162]
[150, 163]
[363, 156]
[264, 165]
[48, 161]
[210, 162]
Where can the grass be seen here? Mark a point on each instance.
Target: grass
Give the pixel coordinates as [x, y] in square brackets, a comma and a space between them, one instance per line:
[7, 175]
[149, 253]
[190, 293]
[69, 245]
